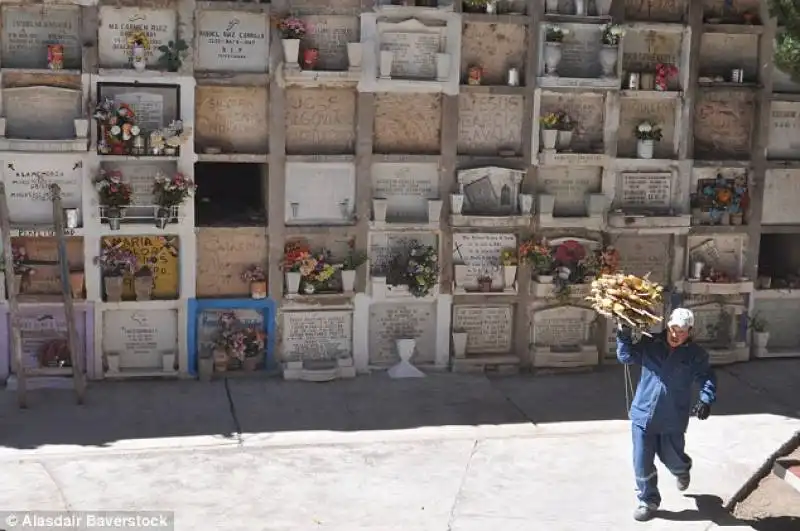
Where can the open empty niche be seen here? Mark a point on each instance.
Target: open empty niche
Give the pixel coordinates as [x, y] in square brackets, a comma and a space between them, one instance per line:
[230, 194]
[779, 259]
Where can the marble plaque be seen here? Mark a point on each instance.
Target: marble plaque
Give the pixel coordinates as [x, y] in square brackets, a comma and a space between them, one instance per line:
[722, 52]
[644, 50]
[389, 322]
[208, 325]
[656, 10]
[41, 113]
[141, 176]
[562, 327]
[314, 336]
[646, 191]
[587, 110]
[784, 322]
[490, 124]
[333, 197]
[234, 119]
[116, 23]
[407, 123]
[155, 106]
[723, 123]
[710, 324]
[414, 45]
[232, 41]
[385, 246]
[140, 337]
[579, 51]
[28, 180]
[640, 255]
[496, 47]
[223, 253]
[656, 111]
[165, 250]
[37, 330]
[330, 35]
[781, 197]
[489, 328]
[480, 252]
[27, 30]
[490, 190]
[407, 187]
[570, 186]
[320, 121]
[784, 130]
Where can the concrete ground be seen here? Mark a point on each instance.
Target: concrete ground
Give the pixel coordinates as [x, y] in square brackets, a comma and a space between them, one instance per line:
[445, 453]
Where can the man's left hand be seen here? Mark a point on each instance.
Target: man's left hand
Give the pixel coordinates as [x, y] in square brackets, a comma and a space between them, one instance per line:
[701, 410]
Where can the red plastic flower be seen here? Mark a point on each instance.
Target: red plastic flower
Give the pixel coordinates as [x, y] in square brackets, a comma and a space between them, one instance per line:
[570, 252]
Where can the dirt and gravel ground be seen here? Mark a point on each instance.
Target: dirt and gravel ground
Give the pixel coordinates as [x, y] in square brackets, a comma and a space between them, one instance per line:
[773, 506]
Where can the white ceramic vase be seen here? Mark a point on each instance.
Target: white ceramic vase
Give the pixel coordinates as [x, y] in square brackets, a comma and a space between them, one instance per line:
[645, 148]
[551, 6]
[602, 7]
[348, 280]
[509, 277]
[442, 66]
[434, 210]
[379, 208]
[580, 8]
[460, 344]
[354, 55]
[552, 56]
[549, 138]
[291, 51]
[293, 282]
[526, 204]
[456, 203]
[564, 140]
[608, 60]
[404, 369]
[386, 64]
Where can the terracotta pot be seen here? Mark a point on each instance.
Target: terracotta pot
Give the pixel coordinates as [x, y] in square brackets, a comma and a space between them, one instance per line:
[76, 279]
[114, 287]
[258, 289]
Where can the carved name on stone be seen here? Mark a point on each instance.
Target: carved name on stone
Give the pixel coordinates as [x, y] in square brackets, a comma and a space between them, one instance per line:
[723, 122]
[407, 123]
[489, 124]
[579, 52]
[570, 186]
[784, 132]
[330, 35]
[320, 121]
[140, 337]
[41, 113]
[317, 335]
[490, 190]
[334, 192]
[390, 322]
[781, 196]
[27, 30]
[232, 118]
[640, 255]
[414, 45]
[644, 50]
[117, 23]
[564, 327]
[407, 188]
[480, 252]
[28, 181]
[385, 246]
[635, 111]
[234, 41]
[488, 328]
[223, 253]
[655, 10]
[641, 190]
[587, 111]
[38, 330]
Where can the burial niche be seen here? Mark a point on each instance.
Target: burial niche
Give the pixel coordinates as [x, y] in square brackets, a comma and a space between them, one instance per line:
[230, 195]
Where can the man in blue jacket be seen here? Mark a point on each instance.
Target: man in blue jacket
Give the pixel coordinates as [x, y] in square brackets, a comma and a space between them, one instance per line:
[661, 408]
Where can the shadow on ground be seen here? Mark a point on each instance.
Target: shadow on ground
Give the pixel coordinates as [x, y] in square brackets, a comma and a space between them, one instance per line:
[143, 410]
[710, 509]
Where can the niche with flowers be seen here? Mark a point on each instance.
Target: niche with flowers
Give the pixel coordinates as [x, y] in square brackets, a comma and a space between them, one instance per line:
[319, 265]
[720, 197]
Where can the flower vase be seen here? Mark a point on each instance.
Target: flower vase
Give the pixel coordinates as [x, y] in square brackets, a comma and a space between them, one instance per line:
[509, 276]
[348, 280]
[460, 344]
[552, 56]
[162, 217]
[645, 148]
[291, 51]
[387, 58]
[143, 286]
[205, 368]
[525, 204]
[549, 138]
[456, 204]
[404, 369]
[310, 58]
[580, 8]
[293, 282]
[564, 140]
[113, 286]
[602, 7]
[138, 55]
[551, 6]
[250, 364]
[114, 217]
[220, 360]
[544, 279]
[258, 289]
[76, 279]
[608, 60]
[354, 56]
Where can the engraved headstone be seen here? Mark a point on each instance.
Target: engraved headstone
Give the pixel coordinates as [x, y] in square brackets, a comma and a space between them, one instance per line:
[223, 253]
[490, 190]
[646, 191]
[587, 111]
[27, 30]
[38, 330]
[141, 177]
[579, 51]
[489, 124]
[570, 186]
[784, 131]
[117, 23]
[385, 246]
[488, 328]
[330, 35]
[390, 322]
[140, 337]
[640, 255]
[317, 336]
[407, 123]
[415, 46]
[723, 123]
[645, 50]
[41, 113]
[657, 112]
[155, 106]
[232, 118]
[334, 192]
[407, 187]
[28, 181]
[563, 327]
[233, 41]
[320, 121]
[480, 252]
[781, 196]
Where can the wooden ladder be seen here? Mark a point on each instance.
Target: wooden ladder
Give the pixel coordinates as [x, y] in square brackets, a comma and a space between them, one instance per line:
[75, 347]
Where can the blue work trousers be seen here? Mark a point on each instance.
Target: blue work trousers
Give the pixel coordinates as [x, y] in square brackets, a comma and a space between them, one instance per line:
[670, 450]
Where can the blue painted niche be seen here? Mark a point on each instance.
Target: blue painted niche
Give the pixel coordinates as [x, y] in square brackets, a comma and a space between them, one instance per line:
[266, 307]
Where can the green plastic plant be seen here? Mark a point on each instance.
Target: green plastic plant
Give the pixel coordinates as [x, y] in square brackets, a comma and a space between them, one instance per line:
[172, 54]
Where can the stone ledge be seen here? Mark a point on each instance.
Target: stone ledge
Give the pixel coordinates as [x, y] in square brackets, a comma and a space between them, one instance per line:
[77, 145]
[621, 221]
[579, 82]
[548, 221]
[554, 158]
[714, 288]
[479, 363]
[726, 356]
[543, 356]
[510, 222]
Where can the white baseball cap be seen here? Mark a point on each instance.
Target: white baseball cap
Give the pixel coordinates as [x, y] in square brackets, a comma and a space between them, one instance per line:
[682, 318]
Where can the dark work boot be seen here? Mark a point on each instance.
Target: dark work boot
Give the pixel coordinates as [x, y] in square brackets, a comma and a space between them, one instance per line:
[645, 512]
[683, 481]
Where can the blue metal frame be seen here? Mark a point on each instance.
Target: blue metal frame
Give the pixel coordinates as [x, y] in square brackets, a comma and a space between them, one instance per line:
[267, 308]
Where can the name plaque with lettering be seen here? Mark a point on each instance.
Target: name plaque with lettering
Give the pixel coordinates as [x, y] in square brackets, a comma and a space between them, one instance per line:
[646, 191]
[140, 338]
[317, 336]
[117, 23]
[28, 181]
[27, 30]
[232, 41]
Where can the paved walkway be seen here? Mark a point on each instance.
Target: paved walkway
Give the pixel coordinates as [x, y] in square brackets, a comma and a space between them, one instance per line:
[447, 453]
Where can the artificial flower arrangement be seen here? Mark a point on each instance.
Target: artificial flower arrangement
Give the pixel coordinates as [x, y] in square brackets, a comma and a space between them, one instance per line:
[254, 273]
[292, 28]
[550, 121]
[117, 126]
[508, 257]
[419, 269]
[538, 255]
[648, 131]
[172, 191]
[609, 260]
[138, 38]
[239, 341]
[611, 34]
[664, 72]
[116, 259]
[20, 265]
[721, 200]
[316, 268]
[113, 193]
[555, 33]
[590, 265]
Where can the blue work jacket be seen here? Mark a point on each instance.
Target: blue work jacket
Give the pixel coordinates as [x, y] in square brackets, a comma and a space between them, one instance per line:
[663, 397]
